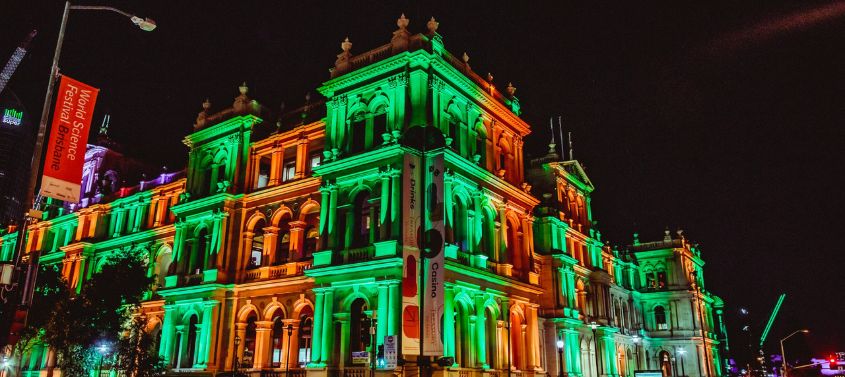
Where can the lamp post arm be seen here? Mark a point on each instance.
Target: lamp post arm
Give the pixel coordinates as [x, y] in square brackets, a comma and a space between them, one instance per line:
[101, 7]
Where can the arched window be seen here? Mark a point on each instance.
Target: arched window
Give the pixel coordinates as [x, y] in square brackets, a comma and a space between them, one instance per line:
[660, 318]
[201, 250]
[283, 246]
[359, 326]
[488, 229]
[188, 358]
[459, 224]
[517, 351]
[306, 325]
[515, 255]
[256, 251]
[277, 339]
[363, 218]
[463, 346]
[650, 280]
[249, 341]
[163, 266]
[379, 125]
[491, 336]
[481, 145]
[665, 363]
[358, 129]
[312, 232]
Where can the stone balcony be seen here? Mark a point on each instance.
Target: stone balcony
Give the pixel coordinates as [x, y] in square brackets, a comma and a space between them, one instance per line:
[277, 272]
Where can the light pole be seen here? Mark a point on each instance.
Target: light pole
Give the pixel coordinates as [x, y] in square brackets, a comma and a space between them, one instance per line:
[782, 354]
[594, 326]
[287, 360]
[145, 24]
[636, 339]
[560, 357]
[681, 352]
[235, 364]
[102, 349]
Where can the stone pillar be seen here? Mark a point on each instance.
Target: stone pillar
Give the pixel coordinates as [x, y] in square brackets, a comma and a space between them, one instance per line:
[396, 205]
[168, 335]
[317, 331]
[350, 224]
[382, 316]
[480, 341]
[503, 247]
[334, 240]
[291, 343]
[325, 204]
[301, 157]
[240, 332]
[393, 309]
[328, 327]
[345, 328]
[384, 206]
[268, 255]
[297, 239]
[204, 334]
[275, 166]
[263, 332]
[449, 322]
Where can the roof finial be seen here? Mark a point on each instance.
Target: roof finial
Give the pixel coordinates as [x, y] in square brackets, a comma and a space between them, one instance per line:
[243, 88]
[667, 236]
[206, 104]
[636, 239]
[466, 58]
[402, 22]
[511, 89]
[489, 77]
[346, 45]
[432, 25]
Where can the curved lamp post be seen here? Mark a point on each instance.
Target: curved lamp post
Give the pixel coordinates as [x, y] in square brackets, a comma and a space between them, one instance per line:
[782, 354]
[237, 361]
[287, 358]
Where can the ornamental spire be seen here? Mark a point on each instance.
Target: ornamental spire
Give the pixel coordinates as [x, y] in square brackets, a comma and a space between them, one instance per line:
[432, 25]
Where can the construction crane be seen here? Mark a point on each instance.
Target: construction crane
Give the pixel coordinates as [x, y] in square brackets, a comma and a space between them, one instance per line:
[16, 58]
[762, 358]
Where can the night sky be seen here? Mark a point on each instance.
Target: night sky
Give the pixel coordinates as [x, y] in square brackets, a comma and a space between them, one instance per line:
[723, 118]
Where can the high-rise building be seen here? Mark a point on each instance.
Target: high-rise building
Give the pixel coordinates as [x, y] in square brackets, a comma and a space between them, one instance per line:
[15, 155]
[401, 212]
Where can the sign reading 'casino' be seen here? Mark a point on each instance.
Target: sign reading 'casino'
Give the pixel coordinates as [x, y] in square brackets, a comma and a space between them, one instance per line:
[68, 139]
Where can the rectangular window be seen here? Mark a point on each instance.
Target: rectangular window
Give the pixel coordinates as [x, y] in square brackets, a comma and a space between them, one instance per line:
[263, 172]
[289, 171]
[315, 160]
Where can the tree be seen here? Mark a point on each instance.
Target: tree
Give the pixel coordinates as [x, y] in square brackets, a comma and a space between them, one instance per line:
[98, 314]
[137, 354]
[49, 289]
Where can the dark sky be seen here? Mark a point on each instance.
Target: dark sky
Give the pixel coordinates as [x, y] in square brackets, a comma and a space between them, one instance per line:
[723, 118]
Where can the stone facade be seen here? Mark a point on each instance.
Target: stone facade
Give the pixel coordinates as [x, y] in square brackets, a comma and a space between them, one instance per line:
[278, 241]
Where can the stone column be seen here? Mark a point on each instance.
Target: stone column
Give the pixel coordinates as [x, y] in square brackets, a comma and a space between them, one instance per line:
[168, 335]
[204, 333]
[345, 328]
[240, 332]
[297, 239]
[328, 327]
[503, 247]
[301, 157]
[382, 316]
[325, 203]
[396, 205]
[268, 255]
[263, 332]
[533, 339]
[449, 322]
[480, 341]
[394, 309]
[275, 166]
[291, 343]
[384, 206]
[317, 331]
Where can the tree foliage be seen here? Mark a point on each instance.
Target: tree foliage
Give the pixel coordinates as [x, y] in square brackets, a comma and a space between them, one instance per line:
[74, 324]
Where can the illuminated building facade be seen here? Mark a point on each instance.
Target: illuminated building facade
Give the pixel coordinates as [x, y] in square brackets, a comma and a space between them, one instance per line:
[280, 240]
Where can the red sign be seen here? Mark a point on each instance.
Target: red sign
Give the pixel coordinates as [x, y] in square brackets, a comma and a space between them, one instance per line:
[68, 139]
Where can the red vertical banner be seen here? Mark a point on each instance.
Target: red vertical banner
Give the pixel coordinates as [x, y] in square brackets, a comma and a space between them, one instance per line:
[62, 175]
[411, 225]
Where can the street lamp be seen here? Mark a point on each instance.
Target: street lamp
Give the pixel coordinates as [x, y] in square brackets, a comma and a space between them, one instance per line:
[102, 349]
[287, 358]
[594, 326]
[560, 357]
[145, 24]
[237, 361]
[782, 354]
[681, 352]
[636, 339]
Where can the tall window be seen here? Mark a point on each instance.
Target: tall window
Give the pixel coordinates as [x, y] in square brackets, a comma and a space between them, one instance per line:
[257, 249]
[363, 216]
[315, 160]
[263, 172]
[289, 171]
[459, 224]
[306, 324]
[277, 339]
[660, 318]
[201, 251]
[358, 129]
[190, 350]
[661, 280]
[360, 326]
[379, 127]
[650, 280]
[283, 246]
[249, 341]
